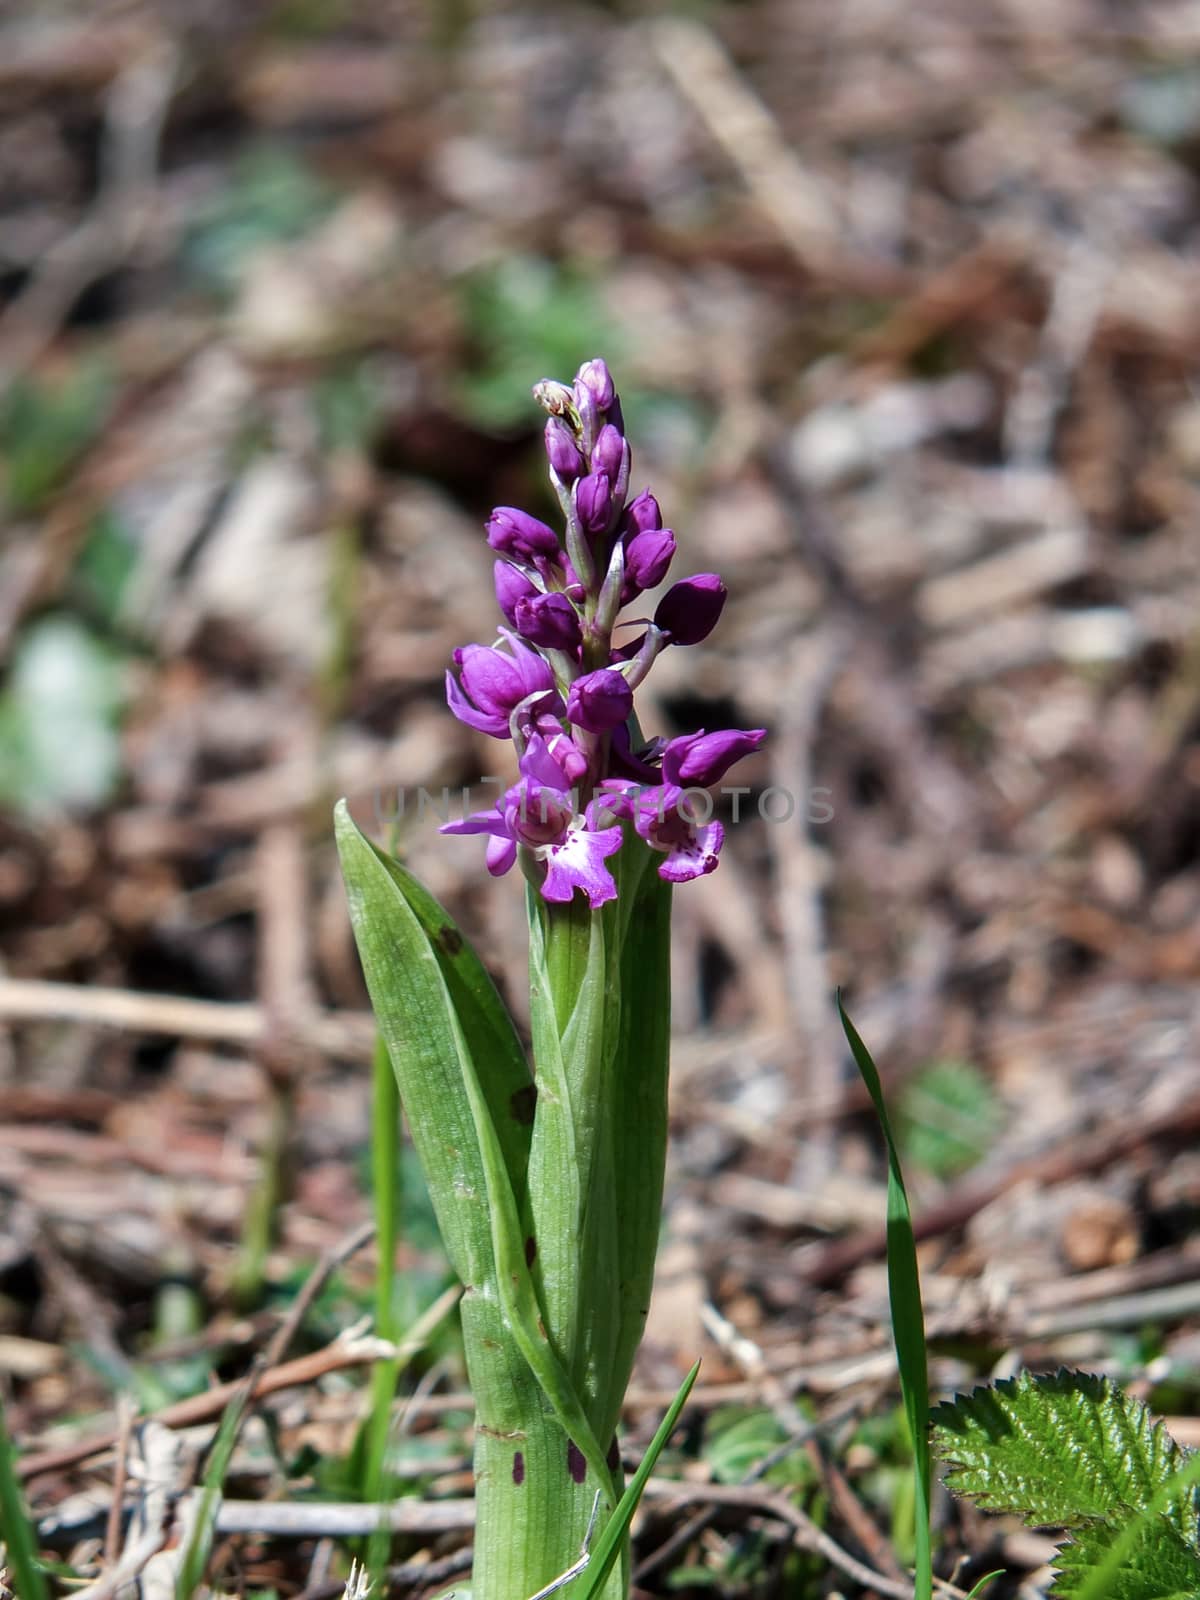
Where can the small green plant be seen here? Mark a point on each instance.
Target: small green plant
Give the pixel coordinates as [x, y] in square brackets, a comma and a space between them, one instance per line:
[948, 1118]
[45, 426]
[1072, 1450]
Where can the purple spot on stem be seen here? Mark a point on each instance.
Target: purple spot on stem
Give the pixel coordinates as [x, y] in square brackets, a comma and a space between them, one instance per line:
[523, 1103]
[450, 939]
[518, 1468]
[576, 1465]
[530, 1251]
[613, 1458]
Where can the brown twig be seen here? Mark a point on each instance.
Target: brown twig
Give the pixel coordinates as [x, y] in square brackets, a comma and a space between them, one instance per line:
[1090, 1153]
[335, 1357]
[347, 1034]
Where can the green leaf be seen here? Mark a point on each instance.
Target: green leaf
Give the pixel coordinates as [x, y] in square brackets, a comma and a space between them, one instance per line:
[467, 1094]
[199, 1545]
[273, 197]
[1060, 1450]
[949, 1117]
[608, 1546]
[1156, 1563]
[978, 1588]
[736, 1441]
[20, 1537]
[59, 745]
[439, 1014]
[45, 426]
[908, 1316]
[526, 316]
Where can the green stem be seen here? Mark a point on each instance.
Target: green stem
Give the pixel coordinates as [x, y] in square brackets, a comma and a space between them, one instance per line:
[599, 998]
[258, 1227]
[385, 1151]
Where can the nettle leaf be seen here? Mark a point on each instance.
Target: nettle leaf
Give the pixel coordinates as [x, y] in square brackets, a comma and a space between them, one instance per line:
[1060, 1450]
[1157, 1563]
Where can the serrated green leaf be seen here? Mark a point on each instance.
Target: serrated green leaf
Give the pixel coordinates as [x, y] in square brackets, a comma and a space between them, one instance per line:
[1156, 1564]
[949, 1116]
[1059, 1450]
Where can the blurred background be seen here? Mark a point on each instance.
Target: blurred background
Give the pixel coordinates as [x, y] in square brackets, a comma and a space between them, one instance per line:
[903, 304]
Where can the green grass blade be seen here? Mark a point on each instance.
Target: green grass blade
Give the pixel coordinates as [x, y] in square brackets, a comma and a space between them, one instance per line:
[908, 1316]
[977, 1589]
[608, 1546]
[199, 1545]
[20, 1538]
[385, 1158]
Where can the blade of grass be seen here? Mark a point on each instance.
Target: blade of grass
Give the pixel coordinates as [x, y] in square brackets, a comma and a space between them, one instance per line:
[977, 1590]
[609, 1546]
[19, 1537]
[199, 1545]
[385, 1154]
[908, 1316]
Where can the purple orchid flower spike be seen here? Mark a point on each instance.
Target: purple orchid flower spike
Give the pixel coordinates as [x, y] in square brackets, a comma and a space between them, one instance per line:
[563, 682]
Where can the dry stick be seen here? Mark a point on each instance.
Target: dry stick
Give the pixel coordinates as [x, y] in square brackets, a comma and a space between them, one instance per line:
[808, 1535]
[795, 202]
[335, 1357]
[753, 1363]
[281, 894]
[134, 114]
[346, 1034]
[112, 1531]
[811, 673]
[127, 1569]
[411, 1574]
[333, 1258]
[1069, 1160]
[308, 1519]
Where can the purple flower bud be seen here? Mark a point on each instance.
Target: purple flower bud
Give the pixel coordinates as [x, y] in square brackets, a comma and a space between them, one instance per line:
[593, 501]
[552, 396]
[595, 381]
[697, 759]
[511, 585]
[610, 453]
[647, 557]
[642, 513]
[599, 700]
[689, 610]
[519, 536]
[549, 621]
[493, 684]
[562, 450]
